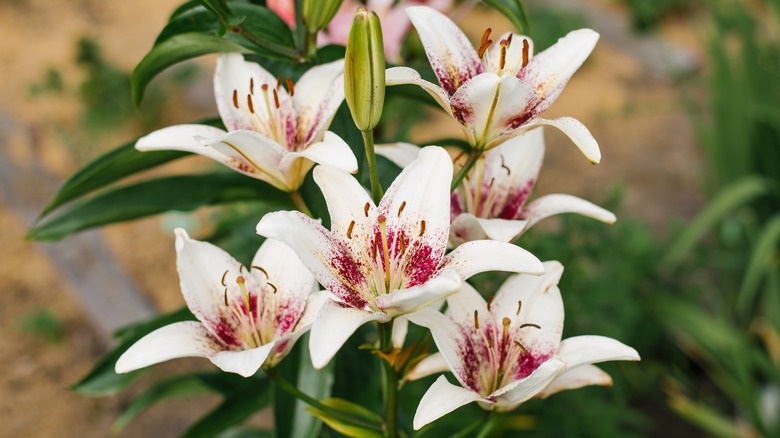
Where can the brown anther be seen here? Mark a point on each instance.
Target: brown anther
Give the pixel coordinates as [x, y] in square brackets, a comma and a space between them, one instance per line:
[476, 319]
[240, 269]
[490, 340]
[235, 98]
[365, 209]
[509, 40]
[250, 103]
[349, 230]
[272, 286]
[492, 181]
[226, 300]
[401, 208]
[519, 307]
[260, 268]
[505, 167]
[276, 99]
[402, 242]
[521, 347]
[502, 61]
[422, 228]
[278, 81]
[526, 49]
[530, 325]
[373, 250]
[251, 85]
[490, 301]
[485, 42]
[290, 87]
[223, 278]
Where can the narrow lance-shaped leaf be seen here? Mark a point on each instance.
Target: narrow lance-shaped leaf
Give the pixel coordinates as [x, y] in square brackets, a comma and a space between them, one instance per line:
[236, 408]
[111, 167]
[179, 193]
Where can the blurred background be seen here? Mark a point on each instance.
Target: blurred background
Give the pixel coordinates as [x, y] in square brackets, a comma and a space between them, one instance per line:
[682, 95]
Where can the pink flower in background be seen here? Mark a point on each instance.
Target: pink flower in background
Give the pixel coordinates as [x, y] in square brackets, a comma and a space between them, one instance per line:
[247, 318]
[285, 9]
[508, 350]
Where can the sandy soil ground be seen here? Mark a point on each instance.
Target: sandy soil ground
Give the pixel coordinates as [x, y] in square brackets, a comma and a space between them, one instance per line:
[646, 141]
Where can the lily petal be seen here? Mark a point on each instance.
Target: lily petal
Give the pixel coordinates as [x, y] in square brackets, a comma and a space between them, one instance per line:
[180, 339]
[244, 362]
[489, 105]
[332, 151]
[182, 138]
[550, 70]
[488, 255]
[466, 227]
[551, 205]
[442, 329]
[400, 328]
[432, 364]
[332, 327]
[590, 349]
[442, 398]
[527, 288]
[318, 94]
[409, 300]
[252, 154]
[583, 375]
[328, 258]
[462, 305]
[406, 75]
[522, 390]
[401, 154]
[578, 134]
[452, 57]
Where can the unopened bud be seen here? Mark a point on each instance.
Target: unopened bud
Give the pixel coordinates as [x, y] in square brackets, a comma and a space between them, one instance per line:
[364, 70]
[318, 13]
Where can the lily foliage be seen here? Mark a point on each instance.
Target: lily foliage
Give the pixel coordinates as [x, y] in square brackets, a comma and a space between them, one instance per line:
[352, 266]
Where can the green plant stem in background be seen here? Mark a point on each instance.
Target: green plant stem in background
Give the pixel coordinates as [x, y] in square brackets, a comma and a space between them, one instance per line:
[311, 44]
[259, 42]
[311, 401]
[297, 199]
[376, 188]
[491, 423]
[390, 383]
[473, 157]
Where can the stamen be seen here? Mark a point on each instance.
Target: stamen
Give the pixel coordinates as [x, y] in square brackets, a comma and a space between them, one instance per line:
[349, 230]
[226, 301]
[505, 167]
[272, 285]
[260, 268]
[276, 99]
[485, 42]
[240, 269]
[530, 325]
[519, 307]
[290, 87]
[383, 229]
[250, 104]
[373, 250]
[278, 81]
[365, 209]
[509, 40]
[402, 241]
[526, 49]
[490, 301]
[422, 228]
[235, 98]
[223, 278]
[521, 347]
[251, 85]
[490, 340]
[502, 60]
[401, 208]
[476, 319]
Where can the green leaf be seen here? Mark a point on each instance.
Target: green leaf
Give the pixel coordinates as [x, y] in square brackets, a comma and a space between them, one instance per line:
[179, 386]
[738, 193]
[245, 432]
[180, 193]
[710, 420]
[235, 408]
[514, 11]
[113, 166]
[762, 260]
[174, 50]
[101, 379]
[344, 427]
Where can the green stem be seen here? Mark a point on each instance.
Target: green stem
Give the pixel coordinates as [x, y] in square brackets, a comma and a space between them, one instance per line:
[471, 427]
[297, 199]
[311, 44]
[492, 421]
[391, 382]
[313, 402]
[376, 188]
[473, 157]
[273, 47]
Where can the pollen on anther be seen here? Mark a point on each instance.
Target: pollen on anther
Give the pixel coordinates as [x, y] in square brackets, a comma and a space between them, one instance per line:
[476, 319]
[260, 268]
[531, 325]
[422, 228]
[250, 103]
[521, 347]
[235, 98]
[365, 209]
[526, 49]
[349, 230]
[276, 99]
[224, 274]
[226, 300]
[278, 81]
[272, 286]
[519, 307]
[485, 42]
[401, 208]
[490, 301]
[290, 87]
[251, 85]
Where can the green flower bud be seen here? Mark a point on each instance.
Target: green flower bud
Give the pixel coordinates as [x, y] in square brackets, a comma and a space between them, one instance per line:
[364, 70]
[318, 13]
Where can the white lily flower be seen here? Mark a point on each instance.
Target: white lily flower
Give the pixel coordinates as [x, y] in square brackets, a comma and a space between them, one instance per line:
[274, 134]
[380, 262]
[508, 350]
[247, 318]
[491, 202]
[499, 90]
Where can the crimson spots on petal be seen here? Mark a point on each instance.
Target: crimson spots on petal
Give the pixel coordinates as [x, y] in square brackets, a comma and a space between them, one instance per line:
[225, 334]
[515, 201]
[421, 264]
[528, 363]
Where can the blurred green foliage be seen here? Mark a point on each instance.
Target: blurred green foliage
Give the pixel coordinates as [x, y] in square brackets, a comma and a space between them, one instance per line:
[42, 323]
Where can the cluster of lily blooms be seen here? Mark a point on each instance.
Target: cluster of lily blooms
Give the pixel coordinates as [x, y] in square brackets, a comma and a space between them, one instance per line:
[402, 259]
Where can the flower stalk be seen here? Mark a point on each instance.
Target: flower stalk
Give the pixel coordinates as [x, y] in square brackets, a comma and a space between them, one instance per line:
[458, 178]
[373, 173]
[390, 381]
